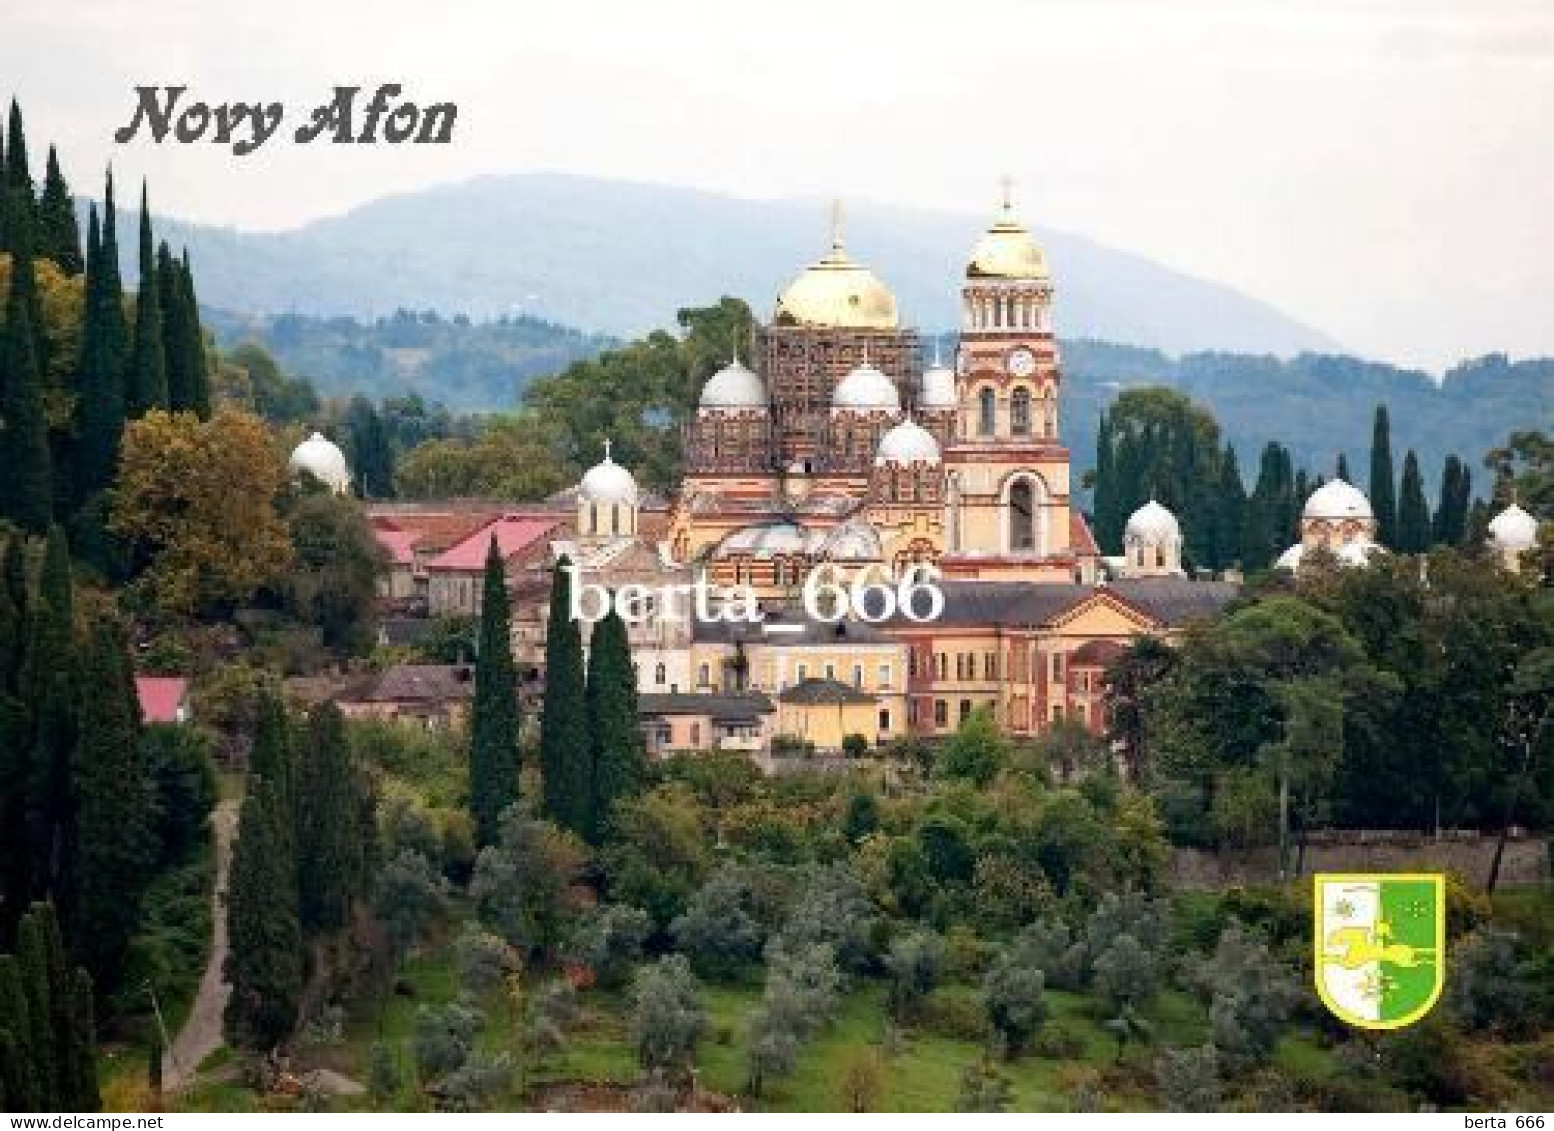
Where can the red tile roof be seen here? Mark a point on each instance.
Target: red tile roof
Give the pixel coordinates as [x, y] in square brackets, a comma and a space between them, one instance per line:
[400, 544]
[161, 696]
[513, 534]
[434, 529]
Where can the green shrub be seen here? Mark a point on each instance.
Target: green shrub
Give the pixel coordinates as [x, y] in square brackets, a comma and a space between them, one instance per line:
[1059, 1041]
[966, 954]
[955, 1012]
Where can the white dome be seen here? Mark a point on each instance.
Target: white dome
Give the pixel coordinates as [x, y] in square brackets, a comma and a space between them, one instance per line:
[938, 388]
[1337, 499]
[1513, 529]
[765, 540]
[1153, 525]
[608, 482]
[734, 386]
[866, 389]
[907, 443]
[323, 461]
[851, 541]
[1290, 559]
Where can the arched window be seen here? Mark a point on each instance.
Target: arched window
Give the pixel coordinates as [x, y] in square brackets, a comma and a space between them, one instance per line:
[985, 413]
[660, 674]
[1022, 516]
[615, 518]
[1020, 412]
[593, 518]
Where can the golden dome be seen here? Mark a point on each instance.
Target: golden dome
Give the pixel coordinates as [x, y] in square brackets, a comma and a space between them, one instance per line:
[835, 291]
[1007, 250]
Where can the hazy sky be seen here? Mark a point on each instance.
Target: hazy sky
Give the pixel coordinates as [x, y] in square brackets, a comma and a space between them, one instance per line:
[1383, 170]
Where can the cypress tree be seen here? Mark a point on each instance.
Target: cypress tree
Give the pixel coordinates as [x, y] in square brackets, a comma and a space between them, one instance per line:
[619, 754]
[49, 685]
[113, 278]
[26, 488]
[327, 837]
[1299, 493]
[264, 962]
[146, 383]
[1383, 494]
[15, 742]
[3, 193]
[271, 757]
[1231, 523]
[1343, 469]
[1413, 529]
[1270, 512]
[33, 958]
[1105, 488]
[48, 1044]
[1451, 516]
[113, 846]
[16, 199]
[81, 1091]
[59, 238]
[57, 977]
[17, 174]
[493, 746]
[175, 337]
[20, 1072]
[102, 399]
[564, 749]
[194, 345]
[1462, 504]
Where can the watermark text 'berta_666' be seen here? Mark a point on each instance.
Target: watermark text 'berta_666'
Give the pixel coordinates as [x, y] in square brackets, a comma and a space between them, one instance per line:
[914, 595]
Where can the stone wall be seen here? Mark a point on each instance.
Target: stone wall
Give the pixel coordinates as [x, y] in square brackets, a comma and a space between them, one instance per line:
[1527, 860]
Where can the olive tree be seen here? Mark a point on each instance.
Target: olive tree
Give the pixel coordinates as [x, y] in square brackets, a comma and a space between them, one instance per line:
[667, 1018]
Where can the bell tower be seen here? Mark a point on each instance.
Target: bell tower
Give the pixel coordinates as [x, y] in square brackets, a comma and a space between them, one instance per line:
[1006, 341]
[1009, 471]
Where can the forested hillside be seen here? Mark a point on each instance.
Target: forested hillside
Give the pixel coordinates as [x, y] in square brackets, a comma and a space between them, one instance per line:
[466, 366]
[1317, 405]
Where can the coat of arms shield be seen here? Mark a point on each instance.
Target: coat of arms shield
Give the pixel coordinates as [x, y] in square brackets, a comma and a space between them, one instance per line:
[1380, 946]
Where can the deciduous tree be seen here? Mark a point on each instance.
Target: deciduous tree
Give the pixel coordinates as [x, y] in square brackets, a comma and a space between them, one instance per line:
[195, 504]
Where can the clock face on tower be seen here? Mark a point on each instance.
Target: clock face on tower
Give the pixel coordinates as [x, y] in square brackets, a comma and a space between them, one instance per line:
[1022, 362]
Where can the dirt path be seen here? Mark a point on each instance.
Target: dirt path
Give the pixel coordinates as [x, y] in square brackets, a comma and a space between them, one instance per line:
[201, 1032]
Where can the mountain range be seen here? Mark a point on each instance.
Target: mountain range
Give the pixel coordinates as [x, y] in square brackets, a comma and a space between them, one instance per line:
[620, 257]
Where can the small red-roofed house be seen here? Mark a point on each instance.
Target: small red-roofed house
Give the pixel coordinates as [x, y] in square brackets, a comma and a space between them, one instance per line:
[399, 584]
[163, 698]
[455, 576]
